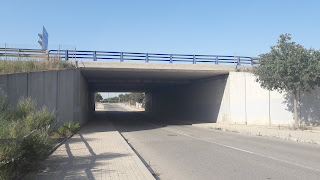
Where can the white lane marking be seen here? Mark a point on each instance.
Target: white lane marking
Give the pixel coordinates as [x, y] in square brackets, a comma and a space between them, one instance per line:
[239, 149]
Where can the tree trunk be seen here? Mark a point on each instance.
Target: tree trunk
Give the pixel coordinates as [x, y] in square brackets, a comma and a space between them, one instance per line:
[296, 121]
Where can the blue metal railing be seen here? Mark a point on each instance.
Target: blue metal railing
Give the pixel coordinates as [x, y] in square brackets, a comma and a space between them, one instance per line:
[154, 57]
[132, 57]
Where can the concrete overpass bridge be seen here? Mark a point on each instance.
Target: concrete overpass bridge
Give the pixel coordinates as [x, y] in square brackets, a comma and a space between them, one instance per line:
[187, 92]
[198, 88]
[171, 89]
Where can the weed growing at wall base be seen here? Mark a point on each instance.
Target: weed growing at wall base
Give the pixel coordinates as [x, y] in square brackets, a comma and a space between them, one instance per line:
[67, 129]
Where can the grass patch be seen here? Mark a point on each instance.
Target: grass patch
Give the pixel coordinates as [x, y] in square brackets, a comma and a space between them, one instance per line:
[32, 65]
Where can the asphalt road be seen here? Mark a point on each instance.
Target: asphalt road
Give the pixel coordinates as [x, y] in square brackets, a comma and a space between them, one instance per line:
[176, 151]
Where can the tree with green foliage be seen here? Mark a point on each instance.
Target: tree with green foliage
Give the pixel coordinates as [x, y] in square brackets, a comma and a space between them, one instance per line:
[289, 67]
[132, 97]
[98, 97]
[111, 100]
[124, 97]
[137, 97]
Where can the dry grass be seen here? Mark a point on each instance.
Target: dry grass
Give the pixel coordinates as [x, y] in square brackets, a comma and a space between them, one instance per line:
[32, 65]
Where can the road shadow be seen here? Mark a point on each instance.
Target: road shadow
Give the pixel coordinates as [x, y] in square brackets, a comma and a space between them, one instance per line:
[76, 159]
[67, 163]
[126, 121]
[72, 167]
[308, 107]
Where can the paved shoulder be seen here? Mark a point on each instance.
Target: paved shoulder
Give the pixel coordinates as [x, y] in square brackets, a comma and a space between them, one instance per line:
[97, 151]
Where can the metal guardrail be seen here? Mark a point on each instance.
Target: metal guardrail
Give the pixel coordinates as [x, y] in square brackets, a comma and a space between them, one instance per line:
[28, 53]
[129, 56]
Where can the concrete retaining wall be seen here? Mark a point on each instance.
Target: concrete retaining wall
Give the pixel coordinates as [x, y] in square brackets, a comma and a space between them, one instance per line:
[251, 104]
[64, 91]
[233, 99]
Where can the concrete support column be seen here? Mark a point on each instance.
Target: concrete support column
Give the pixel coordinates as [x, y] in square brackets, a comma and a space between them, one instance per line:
[148, 100]
[91, 103]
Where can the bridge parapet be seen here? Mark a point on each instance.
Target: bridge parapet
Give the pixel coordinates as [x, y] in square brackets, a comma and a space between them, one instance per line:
[131, 57]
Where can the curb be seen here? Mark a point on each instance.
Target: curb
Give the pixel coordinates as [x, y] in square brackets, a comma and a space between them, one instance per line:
[59, 144]
[154, 174]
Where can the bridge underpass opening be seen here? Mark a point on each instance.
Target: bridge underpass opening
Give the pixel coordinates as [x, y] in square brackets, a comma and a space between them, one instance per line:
[120, 101]
[171, 94]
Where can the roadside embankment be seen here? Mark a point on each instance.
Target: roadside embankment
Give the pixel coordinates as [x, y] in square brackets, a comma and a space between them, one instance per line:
[33, 65]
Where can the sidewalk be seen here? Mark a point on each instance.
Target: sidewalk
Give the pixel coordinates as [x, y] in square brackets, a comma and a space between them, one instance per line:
[97, 151]
[308, 136]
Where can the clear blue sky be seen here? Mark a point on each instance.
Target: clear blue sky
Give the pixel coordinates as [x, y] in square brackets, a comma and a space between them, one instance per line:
[190, 27]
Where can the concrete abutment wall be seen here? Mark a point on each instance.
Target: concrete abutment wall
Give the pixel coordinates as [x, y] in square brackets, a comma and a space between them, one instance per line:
[63, 91]
[234, 99]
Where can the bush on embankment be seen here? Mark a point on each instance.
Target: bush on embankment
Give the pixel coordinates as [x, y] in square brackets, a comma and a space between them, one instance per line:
[19, 157]
[32, 65]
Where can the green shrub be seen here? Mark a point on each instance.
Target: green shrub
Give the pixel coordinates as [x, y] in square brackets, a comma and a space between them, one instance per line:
[40, 119]
[25, 107]
[63, 131]
[67, 129]
[17, 123]
[38, 146]
[11, 169]
[2, 101]
[73, 127]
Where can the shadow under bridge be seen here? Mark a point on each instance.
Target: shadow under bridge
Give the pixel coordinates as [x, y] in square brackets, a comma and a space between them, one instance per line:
[173, 92]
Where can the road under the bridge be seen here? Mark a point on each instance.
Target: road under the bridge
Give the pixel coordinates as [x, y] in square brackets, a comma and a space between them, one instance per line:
[180, 151]
[176, 91]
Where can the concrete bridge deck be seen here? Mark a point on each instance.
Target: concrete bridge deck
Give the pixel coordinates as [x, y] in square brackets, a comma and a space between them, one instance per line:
[128, 76]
